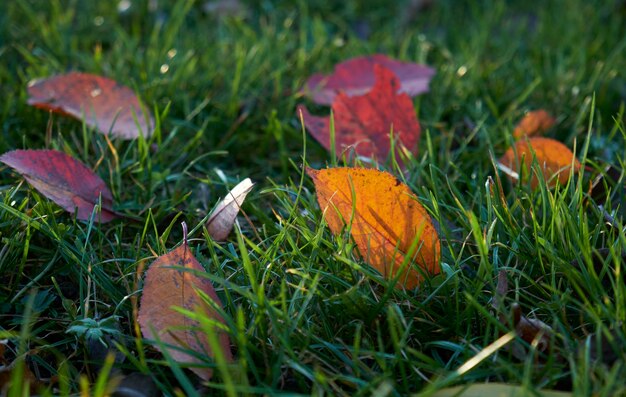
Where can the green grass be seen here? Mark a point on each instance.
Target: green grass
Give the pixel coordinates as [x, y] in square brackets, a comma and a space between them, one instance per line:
[304, 314]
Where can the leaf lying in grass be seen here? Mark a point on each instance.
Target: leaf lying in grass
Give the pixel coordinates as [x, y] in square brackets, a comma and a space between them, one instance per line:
[364, 122]
[357, 76]
[496, 390]
[606, 186]
[532, 331]
[223, 216]
[554, 158]
[101, 102]
[171, 282]
[64, 180]
[534, 123]
[385, 220]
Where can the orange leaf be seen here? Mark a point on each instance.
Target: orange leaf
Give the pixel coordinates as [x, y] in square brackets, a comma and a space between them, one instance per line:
[170, 282]
[554, 158]
[534, 123]
[385, 219]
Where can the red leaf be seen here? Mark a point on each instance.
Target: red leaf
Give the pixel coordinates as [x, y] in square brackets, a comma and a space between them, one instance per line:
[64, 180]
[364, 122]
[101, 102]
[356, 77]
[171, 282]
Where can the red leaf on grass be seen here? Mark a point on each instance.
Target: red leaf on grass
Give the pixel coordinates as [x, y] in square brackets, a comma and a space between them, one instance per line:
[357, 76]
[171, 282]
[101, 102]
[64, 180]
[364, 122]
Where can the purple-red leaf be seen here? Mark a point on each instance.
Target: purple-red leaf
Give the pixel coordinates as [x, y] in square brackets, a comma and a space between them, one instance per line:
[101, 102]
[365, 122]
[356, 77]
[64, 180]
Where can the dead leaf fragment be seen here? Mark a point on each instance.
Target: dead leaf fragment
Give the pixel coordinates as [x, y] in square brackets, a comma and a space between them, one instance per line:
[532, 331]
[534, 123]
[64, 180]
[357, 76]
[365, 122]
[100, 102]
[554, 158]
[171, 282]
[223, 216]
[386, 221]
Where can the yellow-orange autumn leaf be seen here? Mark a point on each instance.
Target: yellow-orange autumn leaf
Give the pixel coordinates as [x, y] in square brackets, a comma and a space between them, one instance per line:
[534, 123]
[554, 158]
[171, 282]
[385, 220]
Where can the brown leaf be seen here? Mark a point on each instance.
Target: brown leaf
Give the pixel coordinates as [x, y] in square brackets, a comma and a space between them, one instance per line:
[554, 158]
[64, 180]
[532, 331]
[171, 282]
[101, 102]
[534, 123]
[221, 221]
[385, 219]
[357, 76]
[365, 122]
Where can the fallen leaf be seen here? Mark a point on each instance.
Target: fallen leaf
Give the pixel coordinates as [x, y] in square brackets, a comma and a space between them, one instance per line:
[64, 180]
[223, 217]
[532, 331]
[100, 102]
[357, 76]
[171, 282]
[554, 158]
[16, 370]
[365, 122]
[605, 186]
[534, 123]
[604, 347]
[496, 390]
[385, 220]
[137, 384]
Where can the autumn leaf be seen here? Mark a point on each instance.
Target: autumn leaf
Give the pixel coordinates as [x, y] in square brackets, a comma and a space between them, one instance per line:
[531, 330]
[222, 218]
[553, 157]
[100, 102]
[64, 180]
[534, 123]
[171, 282]
[357, 76]
[365, 122]
[385, 220]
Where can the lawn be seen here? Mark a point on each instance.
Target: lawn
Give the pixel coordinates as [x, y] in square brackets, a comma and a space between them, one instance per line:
[305, 313]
